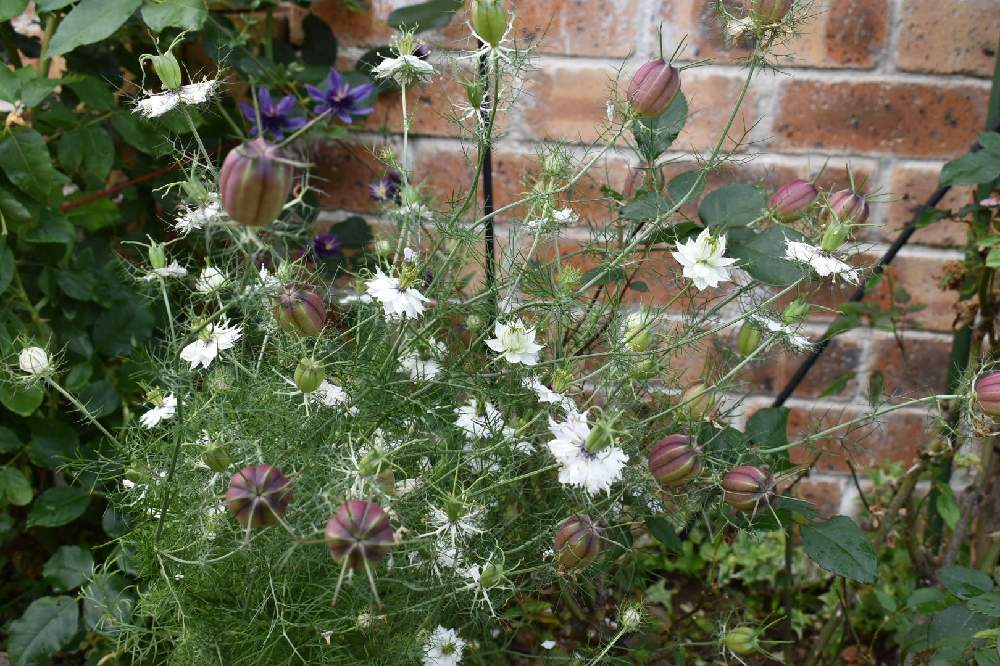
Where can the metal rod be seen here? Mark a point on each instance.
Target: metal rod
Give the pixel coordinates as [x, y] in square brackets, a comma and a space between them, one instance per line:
[488, 206]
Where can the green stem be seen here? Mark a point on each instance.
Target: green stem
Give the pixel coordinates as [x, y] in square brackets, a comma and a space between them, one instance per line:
[43, 57]
[83, 410]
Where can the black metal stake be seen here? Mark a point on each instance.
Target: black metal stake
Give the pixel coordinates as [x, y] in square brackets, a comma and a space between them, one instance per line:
[488, 206]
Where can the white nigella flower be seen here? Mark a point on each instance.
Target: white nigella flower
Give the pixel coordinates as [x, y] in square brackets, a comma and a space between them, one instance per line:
[34, 361]
[421, 369]
[823, 263]
[548, 645]
[476, 425]
[578, 467]
[704, 261]
[397, 301]
[444, 647]
[174, 270]
[329, 395]
[515, 342]
[544, 393]
[466, 524]
[566, 216]
[196, 217]
[211, 340]
[798, 342]
[417, 211]
[209, 280]
[410, 255]
[404, 70]
[193, 94]
[164, 411]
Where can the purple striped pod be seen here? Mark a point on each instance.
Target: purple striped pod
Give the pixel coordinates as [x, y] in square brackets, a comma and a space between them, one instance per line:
[674, 461]
[988, 393]
[791, 200]
[359, 532]
[258, 495]
[747, 486]
[653, 88]
[767, 12]
[578, 542]
[847, 207]
[255, 182]
[300, 310]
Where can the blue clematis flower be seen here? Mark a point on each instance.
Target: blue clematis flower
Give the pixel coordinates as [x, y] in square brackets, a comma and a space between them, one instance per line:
[340, 99]
[275, 119]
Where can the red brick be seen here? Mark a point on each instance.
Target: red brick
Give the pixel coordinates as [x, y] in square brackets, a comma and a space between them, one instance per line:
[919, 276]
[856, 32]
[824, 494]
[908, 190]
[342, 172]
[771, 375]
[910, 365]
[893, 118]
[354, 28]
[431, 108]
[896, 437]
[948, 37]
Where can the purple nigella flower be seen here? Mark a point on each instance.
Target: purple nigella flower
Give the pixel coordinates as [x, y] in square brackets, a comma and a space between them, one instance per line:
[422, 51]
[340, 99]
[385, 188]
[275, 119]
[326, 245]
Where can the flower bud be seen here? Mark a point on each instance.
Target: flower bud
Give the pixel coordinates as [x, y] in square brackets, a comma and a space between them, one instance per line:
[745, 487]
[490, 576]
[674, 461]
[374, 466]
[255, 182]
[157, 254]
[300, 310]
[748, 339]
[638, 335]
[168, 69]
[489, 20]
[578, 542]
[741, 640]
[834, 235]
[768, 12]
[308, 375]
[359, 532]
[988, 393]
[847, 207]
[701, 406]
[795, 311]
[258, 495]
[653, 88]
[474, 92]
[217, 458]
[34, 361]
[602, 434]
[562, 379]
[792, 199]
[644, 369]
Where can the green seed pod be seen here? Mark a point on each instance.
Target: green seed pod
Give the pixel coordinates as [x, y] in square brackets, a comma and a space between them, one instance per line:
[490, 576]
[796, 311]
[157, 255]
[217, 458]
[747, 486]
[308, 375]
[602, 434]
[741, 640]
[474, 92]
[701, 406]
[748, 339]
[834, 235]
[168, 69]
[489, 20]
[768, 12]
[562, 379]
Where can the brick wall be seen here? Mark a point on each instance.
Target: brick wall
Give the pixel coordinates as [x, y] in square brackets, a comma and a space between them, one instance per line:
[892, 87]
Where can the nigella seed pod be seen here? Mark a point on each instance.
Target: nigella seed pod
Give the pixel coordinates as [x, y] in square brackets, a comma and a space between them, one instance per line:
[217, 458]
[674, 461]
[255, 182]
[258, 495]
[489, 20]
[578, 542]
[767, 12]
[988, 393]
[747, 486]
[359, 532]
[653, 88]
[748, 339]
[300, 310]
[168, 69]
[740, 640]
[792, 199]
[847, 207]
[699, 401]
[308, 375]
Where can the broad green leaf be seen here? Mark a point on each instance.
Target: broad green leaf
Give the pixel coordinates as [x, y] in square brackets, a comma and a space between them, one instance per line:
[78, 285]
[13, 211]
[139, 135]
[35, 91]
[761, 254]
[107, 602]
[47, 626]
[119, 330]
[838, 384]
[6, 267]
[681, 184]
[20, 399]
[985, 604]
[972, 169]
[15, 486]
[839, 546]
[88, 150]
[769, 427]
[100, 398]
[733, 206]
[955, 624]
[95, 215]
[90, 21]
[52, 227]
[58, 506]
[927, 600]
[429, 15]
[993, 258]
[68, 568]
[646, 206]
[53, 443]
[26, 162]
[52, 5]
[10, 86]
[184, 14]
[654, 135]
[990, 141]
[95, 93]
[664, 532]
[9, 441]
[319, 46]
[964, 582]
[11, 8]
[946, 505]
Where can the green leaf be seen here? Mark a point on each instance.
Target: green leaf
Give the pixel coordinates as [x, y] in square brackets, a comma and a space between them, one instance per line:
[78, 285]
[26, 162]
[92, 91]
[9, 441]
[664, 532]
[69, 568]
[839, 546]
[139, 135]
[990, 141]
[876, 387]
[100, 398]
[95, 215]
[14, 213]
[964, 582]
[11, 8]
[946, 505]
[20, 399]
[425, 16]
[607, 276]
[972, 169]
[119, 330]
[682, 183]
[53, 227]
[183, 14]
[655, 135]
[52, 5]
[353, 232]
[47, 626]
[15, 486]
[58, 506]
[89, 149]
[319, 46]
[927, 600]
[107, 603]
[6, 267]
[760, 254]
[90, 21]
[838, 384]
[985, 604]
[53, 443]
[646, 206]
[769, 427]
[733, 206]
[993, 258]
